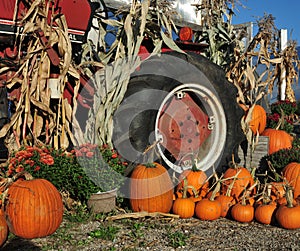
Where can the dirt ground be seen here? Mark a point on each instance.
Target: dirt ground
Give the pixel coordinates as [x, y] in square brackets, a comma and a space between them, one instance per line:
[161, 233]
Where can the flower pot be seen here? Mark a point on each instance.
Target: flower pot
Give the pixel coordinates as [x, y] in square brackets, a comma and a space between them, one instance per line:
[102, 202]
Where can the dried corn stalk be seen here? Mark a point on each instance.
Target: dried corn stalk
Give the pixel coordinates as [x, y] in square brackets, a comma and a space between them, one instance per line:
[148, 18]
[34, 121]
[263, 56]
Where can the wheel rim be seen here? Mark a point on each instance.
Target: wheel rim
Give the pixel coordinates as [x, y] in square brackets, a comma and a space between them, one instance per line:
[181, 142]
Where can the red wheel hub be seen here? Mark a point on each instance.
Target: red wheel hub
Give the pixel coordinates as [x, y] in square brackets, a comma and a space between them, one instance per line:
[183, 126]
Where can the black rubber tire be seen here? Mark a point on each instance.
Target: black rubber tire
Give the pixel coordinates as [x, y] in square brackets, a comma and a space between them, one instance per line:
[134, 125]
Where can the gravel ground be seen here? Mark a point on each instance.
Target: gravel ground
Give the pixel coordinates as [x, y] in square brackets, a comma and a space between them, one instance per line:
[162, 233]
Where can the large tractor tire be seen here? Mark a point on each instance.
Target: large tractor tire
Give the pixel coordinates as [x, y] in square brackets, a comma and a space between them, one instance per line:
[184, 104]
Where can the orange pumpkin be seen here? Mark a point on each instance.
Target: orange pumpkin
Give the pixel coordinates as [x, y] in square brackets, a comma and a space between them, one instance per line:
[33, 208]
[265, 213]
[278, 139]
[196, 179]
[207, 209]
[242, 212]
[258, 120]
[151, 189]
[241, 178]
[3, 228]
[292, 174]
[287, 215]
[226, 203]
[184, 206]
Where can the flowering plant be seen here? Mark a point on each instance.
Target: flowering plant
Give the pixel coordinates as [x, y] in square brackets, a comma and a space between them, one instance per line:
[286, 124]
[60, 167]
[29, 158]
[103, 165]
[287, 107]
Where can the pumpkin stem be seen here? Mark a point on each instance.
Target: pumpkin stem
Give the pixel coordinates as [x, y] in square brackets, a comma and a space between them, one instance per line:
[246, 194]
[289, 196]
[232, 163]
[194, 166]
[217, 188]
[185, 187]
[151, 150]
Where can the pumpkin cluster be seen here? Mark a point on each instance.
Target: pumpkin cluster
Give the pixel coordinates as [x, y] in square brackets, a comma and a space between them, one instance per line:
[237, 195]
[259, 122]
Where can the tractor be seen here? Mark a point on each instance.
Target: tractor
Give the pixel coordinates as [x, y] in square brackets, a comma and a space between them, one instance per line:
[179, 100]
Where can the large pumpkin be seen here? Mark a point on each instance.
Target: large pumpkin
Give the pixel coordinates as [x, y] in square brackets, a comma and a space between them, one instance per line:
[258, 120]
[151, 189]
[278, 139]
[3, 228]
[292, 174]
[33, 208]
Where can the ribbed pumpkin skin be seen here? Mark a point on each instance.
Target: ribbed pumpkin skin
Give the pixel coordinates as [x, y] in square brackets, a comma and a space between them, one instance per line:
[265, 213]
[258, 120]
[242, 213]
[278, 139]
[34, 208]
[151, 189]
[288, 217]
[3, 228]
[244, 180]
[292, 174]
[184, 207]
[226, 203]
[194, 178]
[207, 209]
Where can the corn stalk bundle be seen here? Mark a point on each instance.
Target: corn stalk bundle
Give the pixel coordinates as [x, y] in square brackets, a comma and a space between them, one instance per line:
[263, 56]
[34, 122]
[151, 19]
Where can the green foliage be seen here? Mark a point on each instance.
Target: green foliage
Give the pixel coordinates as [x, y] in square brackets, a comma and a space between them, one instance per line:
[273, 120]
[177, 239]
[271, 165]
[284, 106]
[105, 232]
[283, 157]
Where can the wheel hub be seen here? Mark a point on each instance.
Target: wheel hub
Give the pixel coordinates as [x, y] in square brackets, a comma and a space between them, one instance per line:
[184, 126]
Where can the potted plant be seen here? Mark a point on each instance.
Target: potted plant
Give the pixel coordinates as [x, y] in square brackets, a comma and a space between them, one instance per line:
[105, 167]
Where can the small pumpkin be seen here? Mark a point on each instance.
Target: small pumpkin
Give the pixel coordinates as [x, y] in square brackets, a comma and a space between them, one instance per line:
[242, 212]
[195, 178]
[185, 206]
[209, 208]
[151, 188]
[240, 177]
[278, 139]
[291, 173]
[33, 208]
[265, 213]
[287, 215]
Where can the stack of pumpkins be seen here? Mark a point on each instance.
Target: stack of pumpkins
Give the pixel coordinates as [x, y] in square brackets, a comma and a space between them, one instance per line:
[30, 208]
[278, 139]
[234, 195]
